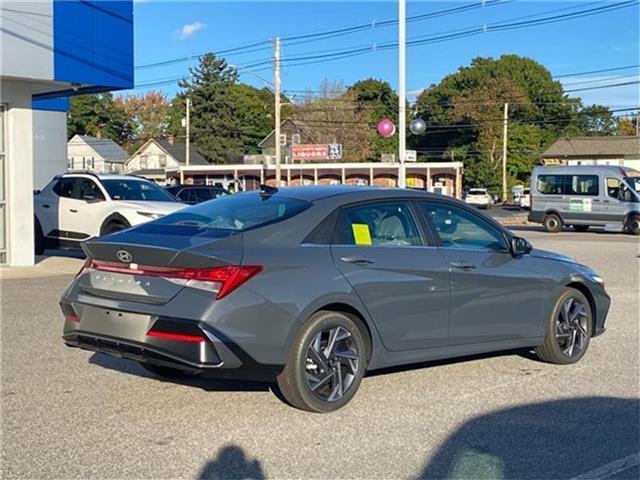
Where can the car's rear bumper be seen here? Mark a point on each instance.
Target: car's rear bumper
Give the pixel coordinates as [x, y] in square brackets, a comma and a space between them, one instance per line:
[212, 356]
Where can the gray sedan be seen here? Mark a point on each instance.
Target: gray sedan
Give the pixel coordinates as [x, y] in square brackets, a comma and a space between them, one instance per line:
[314, 286]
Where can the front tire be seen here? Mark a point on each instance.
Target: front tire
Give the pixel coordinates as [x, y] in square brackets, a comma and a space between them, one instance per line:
[568, 331]
[552, 223]
[325, 365]
[633, 225]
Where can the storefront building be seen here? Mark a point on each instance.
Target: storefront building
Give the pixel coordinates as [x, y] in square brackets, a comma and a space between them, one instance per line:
[50, 50]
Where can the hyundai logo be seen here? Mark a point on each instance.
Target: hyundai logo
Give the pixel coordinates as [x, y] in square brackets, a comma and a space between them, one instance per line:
[124, 256]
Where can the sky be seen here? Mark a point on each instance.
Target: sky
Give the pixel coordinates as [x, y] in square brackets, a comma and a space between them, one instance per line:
[166, 30]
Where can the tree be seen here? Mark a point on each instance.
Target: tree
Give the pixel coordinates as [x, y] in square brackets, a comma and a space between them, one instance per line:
[98, 116]
[148, 111]
[597, 120]
[337, 117]
[378, 101]
[464, 117]
[627, 125]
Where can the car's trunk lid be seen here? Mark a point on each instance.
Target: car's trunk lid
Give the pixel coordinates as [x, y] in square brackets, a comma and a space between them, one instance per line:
[148, 264]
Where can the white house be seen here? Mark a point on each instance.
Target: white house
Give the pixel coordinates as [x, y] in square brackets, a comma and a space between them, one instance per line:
[99, 155]
[157, 157]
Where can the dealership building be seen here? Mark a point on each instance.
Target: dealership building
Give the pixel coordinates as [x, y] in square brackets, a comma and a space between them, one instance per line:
[50, 50]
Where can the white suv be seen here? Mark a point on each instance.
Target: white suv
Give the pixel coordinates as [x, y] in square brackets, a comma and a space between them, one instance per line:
[479, 197]
[77, 206]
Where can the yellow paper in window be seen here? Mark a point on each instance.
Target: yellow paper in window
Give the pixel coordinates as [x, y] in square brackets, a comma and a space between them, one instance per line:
[361, 233]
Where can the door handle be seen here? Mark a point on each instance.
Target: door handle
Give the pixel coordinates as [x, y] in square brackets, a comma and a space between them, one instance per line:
[606, 201]
[462, 265]
[45, 206]
[357, 260]
[73, 210]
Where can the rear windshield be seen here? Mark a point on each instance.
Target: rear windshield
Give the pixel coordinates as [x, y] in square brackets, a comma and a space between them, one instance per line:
[477, 191]
[236, 213]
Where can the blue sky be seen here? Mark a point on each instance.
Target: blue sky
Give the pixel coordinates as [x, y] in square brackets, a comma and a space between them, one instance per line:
[168, 29]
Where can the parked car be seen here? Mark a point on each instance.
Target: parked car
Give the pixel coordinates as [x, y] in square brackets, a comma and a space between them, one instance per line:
[74, 207]
[584, 196]
[525, 199]
[314, 286]
[479, 197]
[192, 194]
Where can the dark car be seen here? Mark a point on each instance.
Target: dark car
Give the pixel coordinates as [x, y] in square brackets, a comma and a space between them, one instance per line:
[314, 286]
[192, 194]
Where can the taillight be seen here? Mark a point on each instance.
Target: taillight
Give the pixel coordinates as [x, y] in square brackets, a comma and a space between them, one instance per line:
[219, 280]
[85, 265]
[181, 337]
[69, 313]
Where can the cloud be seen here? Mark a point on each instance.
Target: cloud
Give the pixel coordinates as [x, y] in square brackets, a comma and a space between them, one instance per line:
[190, 28]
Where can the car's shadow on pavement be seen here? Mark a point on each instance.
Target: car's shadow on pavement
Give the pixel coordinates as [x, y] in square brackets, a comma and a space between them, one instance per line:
[568, 438]
[208, 384]
[232, 462]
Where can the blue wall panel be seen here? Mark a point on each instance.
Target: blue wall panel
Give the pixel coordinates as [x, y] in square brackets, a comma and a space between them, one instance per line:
[93, 42]
[54, 104]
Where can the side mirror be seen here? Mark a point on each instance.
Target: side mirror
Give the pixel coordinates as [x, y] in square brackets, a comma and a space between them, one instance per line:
[520, 246]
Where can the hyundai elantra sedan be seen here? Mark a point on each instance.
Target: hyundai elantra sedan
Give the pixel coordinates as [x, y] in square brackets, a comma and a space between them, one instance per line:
[312, 287]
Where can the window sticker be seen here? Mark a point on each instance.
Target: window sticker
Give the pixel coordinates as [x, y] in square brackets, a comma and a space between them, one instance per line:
[361, 233]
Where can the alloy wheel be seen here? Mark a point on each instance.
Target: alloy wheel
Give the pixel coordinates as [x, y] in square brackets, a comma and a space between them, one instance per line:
[571, 327]
[331, 364]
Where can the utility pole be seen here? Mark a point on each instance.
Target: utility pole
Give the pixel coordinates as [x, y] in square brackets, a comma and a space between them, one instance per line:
[638, 125]
[402, 91]
[504, 152]
[276, 81]
[187, 142]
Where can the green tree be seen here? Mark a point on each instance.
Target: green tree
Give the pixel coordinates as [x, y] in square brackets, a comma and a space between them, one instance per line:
[464, 117]
[627, 125]
[378, 101]
[597, 120]
[98, 116]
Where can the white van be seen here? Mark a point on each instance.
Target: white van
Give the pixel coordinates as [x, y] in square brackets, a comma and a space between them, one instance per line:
[585, 196]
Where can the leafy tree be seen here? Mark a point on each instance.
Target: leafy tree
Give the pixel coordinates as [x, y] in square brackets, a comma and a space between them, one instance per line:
[378, 101]
[464, 115]
[98, 116]
[626, 125]
[597, 120]
[148, 111]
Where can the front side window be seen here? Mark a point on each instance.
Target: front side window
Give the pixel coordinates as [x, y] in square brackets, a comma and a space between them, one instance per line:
[380, 224]
[620, 190]
[461, 229]
[138, 190]
[89, 190]
[64, 187]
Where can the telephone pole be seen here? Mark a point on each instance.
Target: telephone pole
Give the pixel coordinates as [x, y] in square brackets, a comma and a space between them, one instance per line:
[185, 123]
[402, 92]
[504, 152]
[276, 81]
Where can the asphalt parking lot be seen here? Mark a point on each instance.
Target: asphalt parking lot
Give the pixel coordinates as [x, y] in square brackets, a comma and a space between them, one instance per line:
[73, 414]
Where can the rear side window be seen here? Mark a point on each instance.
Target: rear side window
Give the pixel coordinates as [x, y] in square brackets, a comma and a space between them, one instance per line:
[568, 185]
[381, 224]
[583, 185]
[551, 184]
[236, 213]
[64, 187]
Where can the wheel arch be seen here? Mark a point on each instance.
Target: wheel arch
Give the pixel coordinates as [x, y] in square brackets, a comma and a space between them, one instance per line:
[553, 211]
[114, 217]
[629, 215]
[356, 316]
[582, 288]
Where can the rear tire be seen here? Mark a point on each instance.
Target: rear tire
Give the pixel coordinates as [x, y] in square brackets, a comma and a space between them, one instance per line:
[552, 223]
[568, 330]
[326, 363]
[633, 225]
[165, 372]
[581, 228]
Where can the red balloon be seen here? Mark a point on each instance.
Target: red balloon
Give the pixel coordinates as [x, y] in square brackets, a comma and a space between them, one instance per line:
[386, 128]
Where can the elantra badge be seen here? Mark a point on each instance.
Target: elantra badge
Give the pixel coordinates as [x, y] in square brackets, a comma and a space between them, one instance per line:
[124, 256]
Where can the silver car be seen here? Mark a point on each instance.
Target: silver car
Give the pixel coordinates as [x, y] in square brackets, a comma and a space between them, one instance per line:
[585, 196]
[314, 286]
